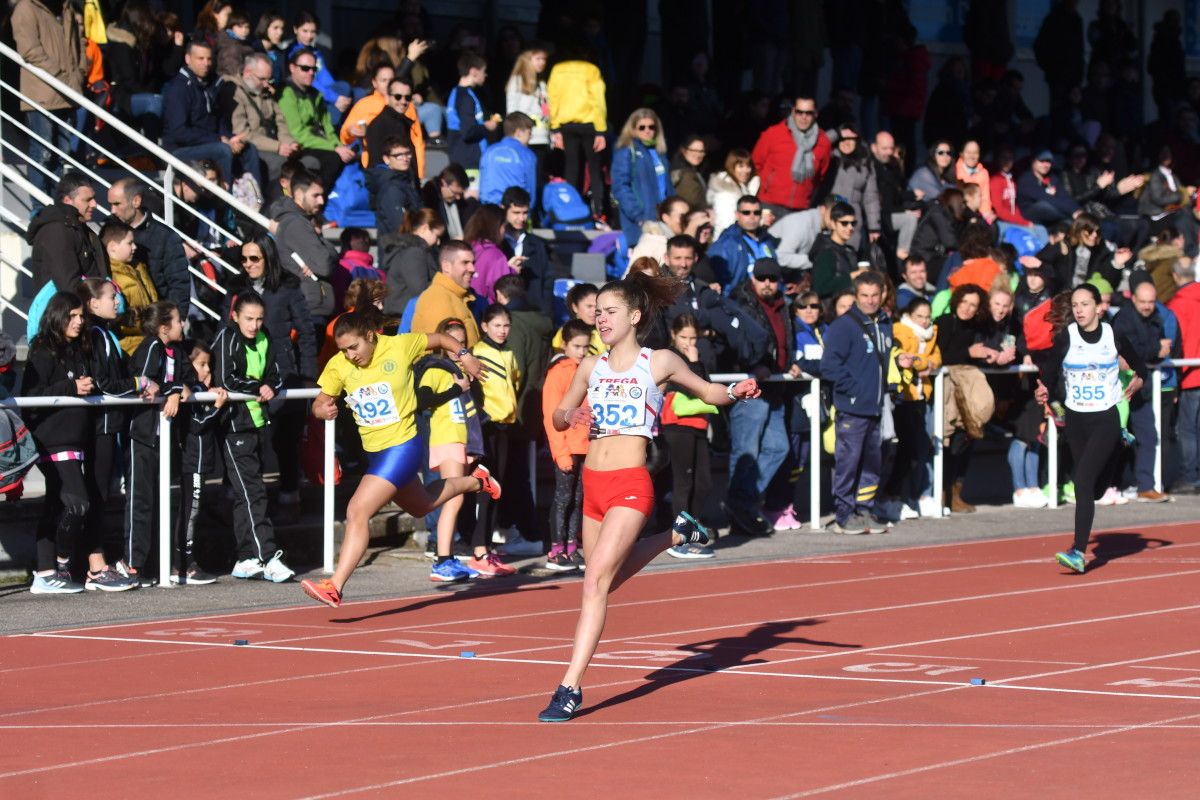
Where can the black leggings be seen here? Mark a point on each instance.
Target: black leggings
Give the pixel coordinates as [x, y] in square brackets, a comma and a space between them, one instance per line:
[690, 473]
[63, 512]
[578, 149]
[566, 515]
[102, 462]
[495, 441]
[1093, 437]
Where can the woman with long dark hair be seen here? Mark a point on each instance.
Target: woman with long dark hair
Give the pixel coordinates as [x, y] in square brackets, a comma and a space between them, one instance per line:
[58, 365]
[1083, 372]
[936, 175]
[286, 311]
[624, 393]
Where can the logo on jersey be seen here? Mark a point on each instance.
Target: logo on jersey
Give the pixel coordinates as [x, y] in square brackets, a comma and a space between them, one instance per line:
[389, 366]
[635, 392]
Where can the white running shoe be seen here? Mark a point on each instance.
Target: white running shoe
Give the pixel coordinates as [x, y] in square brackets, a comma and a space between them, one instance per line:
[247, 568]
[518, 546]
[58, 582]
[908, 512]
[276, 571]
[929, 507]
[1109, 498]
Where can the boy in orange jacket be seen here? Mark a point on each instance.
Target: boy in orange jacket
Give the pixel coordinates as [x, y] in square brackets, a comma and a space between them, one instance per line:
[568, 449]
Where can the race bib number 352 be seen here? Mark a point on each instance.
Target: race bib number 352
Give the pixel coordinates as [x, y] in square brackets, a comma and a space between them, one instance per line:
[374, 405]
[613, 415]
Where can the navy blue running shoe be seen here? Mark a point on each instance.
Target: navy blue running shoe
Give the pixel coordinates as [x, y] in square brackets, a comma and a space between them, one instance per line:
[691, 530]
[563, 705]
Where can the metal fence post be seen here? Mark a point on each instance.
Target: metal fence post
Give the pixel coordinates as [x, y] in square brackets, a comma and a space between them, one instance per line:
[939, 422]
[327, 505]
[814, 456]
[164, 502]
[1156, 380]
[169, 195]
[1052, 459]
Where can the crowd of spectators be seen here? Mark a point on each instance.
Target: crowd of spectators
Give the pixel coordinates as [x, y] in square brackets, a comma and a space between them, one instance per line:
[812, 239]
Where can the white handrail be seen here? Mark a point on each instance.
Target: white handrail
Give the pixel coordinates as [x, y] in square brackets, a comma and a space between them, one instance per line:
[165, 446]
[12, 174]
[169, 201]
[6, 261]
[151, 147]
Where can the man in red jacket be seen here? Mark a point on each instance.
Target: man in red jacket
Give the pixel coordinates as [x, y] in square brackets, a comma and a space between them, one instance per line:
[791, 158]
[1185, 305]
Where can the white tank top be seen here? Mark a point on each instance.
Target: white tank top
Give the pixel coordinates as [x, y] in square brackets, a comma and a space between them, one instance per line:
[624, 403]
[1092, 371]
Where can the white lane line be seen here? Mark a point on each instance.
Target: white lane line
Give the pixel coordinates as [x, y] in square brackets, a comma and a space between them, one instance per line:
[984, 658]
[1006, 682]
[556, 754]
[584, 723]
[983, 757]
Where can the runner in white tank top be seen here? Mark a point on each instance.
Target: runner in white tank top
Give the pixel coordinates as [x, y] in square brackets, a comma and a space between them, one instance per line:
[623, 393]
[1084, 370]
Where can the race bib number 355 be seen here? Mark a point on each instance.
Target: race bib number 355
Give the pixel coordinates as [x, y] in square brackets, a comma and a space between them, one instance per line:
[374, 405]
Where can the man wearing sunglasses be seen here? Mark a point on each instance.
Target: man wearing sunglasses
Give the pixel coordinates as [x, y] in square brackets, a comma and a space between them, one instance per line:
[740, 245]
[308, 118]
[255, 116]
[834, 260]
[792, 157]
[395, 120]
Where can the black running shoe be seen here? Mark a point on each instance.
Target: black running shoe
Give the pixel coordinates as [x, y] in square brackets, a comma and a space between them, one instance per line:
[563, 705]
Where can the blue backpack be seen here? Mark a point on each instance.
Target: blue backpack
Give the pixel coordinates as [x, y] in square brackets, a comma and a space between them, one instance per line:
[349, 204]
[563, 208]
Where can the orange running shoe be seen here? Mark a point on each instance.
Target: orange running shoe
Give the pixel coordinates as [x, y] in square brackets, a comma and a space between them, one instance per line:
[323, 591]
[490, 566]
[490, 484]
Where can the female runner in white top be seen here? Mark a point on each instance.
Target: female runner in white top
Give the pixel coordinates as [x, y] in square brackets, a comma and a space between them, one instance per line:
[623, 389]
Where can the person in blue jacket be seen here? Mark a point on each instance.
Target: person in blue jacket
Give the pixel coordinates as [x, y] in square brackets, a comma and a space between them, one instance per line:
[469, 127]
[858, 346]
[1041, 194]
[641, 175]
[509, 162]
[734, 252]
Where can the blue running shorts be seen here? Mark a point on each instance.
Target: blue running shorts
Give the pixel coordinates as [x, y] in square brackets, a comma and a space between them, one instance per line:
[398, 464]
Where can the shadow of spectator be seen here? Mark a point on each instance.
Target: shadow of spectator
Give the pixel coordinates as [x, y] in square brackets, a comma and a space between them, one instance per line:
[713, 655]
[1120, 544]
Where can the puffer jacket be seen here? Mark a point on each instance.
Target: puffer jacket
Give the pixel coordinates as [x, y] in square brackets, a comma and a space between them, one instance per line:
[410, 267]
[64, 248]
[722, 196]
[49, 38]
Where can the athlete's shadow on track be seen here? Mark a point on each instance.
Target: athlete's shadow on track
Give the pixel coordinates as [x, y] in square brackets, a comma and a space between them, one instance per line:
[713, 655]
[476, 590]
[1111, 546]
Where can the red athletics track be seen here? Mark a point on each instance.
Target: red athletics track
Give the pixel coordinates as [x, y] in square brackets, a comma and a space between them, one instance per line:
[841, 676]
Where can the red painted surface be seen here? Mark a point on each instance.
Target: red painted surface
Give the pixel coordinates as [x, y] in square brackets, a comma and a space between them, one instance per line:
[855, 683]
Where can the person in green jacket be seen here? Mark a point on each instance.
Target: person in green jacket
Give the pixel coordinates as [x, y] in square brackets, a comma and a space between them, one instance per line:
[309, 122]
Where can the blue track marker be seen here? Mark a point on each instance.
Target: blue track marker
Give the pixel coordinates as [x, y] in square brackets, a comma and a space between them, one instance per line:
[241, 642]
[467, 654]
[978, 682]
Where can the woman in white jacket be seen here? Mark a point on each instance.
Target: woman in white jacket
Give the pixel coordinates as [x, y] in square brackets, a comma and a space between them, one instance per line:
[725, 187]
[526, 92]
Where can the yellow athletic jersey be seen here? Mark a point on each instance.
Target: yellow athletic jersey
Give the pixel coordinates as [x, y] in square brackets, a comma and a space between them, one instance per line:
[595, 347]
[447, 422]
[381, 394]
[500, 385]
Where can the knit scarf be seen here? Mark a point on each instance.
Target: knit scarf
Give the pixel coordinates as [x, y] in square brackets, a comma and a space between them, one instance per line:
[803, 168]
[923, 334]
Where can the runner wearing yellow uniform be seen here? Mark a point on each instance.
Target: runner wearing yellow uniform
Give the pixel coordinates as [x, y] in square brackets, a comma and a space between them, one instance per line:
[374, 372]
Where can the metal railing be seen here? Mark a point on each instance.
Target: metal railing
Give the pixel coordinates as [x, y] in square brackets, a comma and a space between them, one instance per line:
[165, 446]
[174, 167]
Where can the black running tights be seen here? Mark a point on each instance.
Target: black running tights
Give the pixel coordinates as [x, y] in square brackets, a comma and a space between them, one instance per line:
[1093, 437]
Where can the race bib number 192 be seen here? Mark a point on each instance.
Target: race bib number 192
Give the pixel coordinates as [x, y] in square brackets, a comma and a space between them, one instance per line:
[374, 405]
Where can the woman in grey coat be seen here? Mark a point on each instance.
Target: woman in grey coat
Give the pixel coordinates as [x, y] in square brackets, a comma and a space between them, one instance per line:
[851, 176]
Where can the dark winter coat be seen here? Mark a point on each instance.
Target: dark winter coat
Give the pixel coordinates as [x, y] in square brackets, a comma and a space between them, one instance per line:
[190, 111]
[229, 372]
[64, 248]
[410, 267]
[286, 311]
[161, 250]
[48, 374]
[855, 361]
[151, 361]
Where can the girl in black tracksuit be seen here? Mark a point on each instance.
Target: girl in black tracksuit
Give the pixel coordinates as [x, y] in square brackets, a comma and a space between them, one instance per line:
[58, 365]
[244, 361]
[102, 460]
[159, 359]
[201, 425]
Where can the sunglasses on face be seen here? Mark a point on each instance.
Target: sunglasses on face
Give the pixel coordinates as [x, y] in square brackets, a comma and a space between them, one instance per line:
[647, 127]
[944, 153]
[750, 212]
[251, 259]
[306, 67]
[768, 279]
[810, 307]
[400, 154]
[402, 97]
[849, 223]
